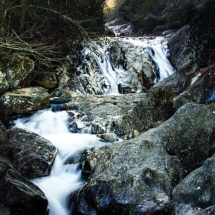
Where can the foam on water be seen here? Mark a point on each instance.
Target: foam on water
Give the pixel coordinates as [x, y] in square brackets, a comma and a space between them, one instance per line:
[65, 177]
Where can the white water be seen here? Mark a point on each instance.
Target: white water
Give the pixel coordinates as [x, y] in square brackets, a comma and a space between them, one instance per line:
[155, 48]
[64, 178]
[106, 69]
[159, 46]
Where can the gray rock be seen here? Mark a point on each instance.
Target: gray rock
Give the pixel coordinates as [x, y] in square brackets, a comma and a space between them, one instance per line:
[24, 100]
[180, 59]
[108, 137]
[17, 194]
[107, 113]
[122, 114]
[34, 155]
[18, 70]
[138, 176]
[196, 193]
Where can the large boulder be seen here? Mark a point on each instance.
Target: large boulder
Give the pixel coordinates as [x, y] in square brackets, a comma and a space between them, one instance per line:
[24, 100]
[195, 195]
[17, 194]
[138, 176]
[33, 155]
[19, 69]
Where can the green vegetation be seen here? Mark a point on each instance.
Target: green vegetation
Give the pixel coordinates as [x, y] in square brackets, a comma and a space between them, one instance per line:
[48, 30]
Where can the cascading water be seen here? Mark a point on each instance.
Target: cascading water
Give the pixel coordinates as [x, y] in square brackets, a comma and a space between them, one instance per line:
[158, 53]
[65, 177]
[111, 71]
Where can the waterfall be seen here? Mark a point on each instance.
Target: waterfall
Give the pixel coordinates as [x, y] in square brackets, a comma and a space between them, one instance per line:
[65, 177]
[107, 69]
[109, 65]
[158, 52]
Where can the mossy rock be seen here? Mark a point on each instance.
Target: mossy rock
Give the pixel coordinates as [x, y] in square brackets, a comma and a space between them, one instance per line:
[18, 70]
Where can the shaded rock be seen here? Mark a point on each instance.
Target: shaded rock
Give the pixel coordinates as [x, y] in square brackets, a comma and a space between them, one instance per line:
[196, 193]
[130, 135]
[108, 137]
[3, 82]
[46, 80]
[34, 155]
[175, 83]
[180, 58]
[5, 148]
[200, 89]
[24, 100]
[128, 178]
[18, 70]
[3, 133]
[138, 176]
[17, 194]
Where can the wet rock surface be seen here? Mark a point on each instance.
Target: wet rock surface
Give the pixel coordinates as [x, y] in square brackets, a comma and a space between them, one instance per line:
[34, 155]
[17, 194]
[104, 112]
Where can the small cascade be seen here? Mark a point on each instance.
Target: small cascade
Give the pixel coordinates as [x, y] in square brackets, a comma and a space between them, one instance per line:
[116, 65]
[65, 177]
[107, 69]
[158, 53]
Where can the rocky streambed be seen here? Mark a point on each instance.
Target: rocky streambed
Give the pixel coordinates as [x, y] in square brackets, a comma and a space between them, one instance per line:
[165, 163]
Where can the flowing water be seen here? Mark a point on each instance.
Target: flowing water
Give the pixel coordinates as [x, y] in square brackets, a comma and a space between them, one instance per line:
[65, 177]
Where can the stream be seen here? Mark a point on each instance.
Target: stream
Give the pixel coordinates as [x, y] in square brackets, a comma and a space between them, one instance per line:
[66, 176]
